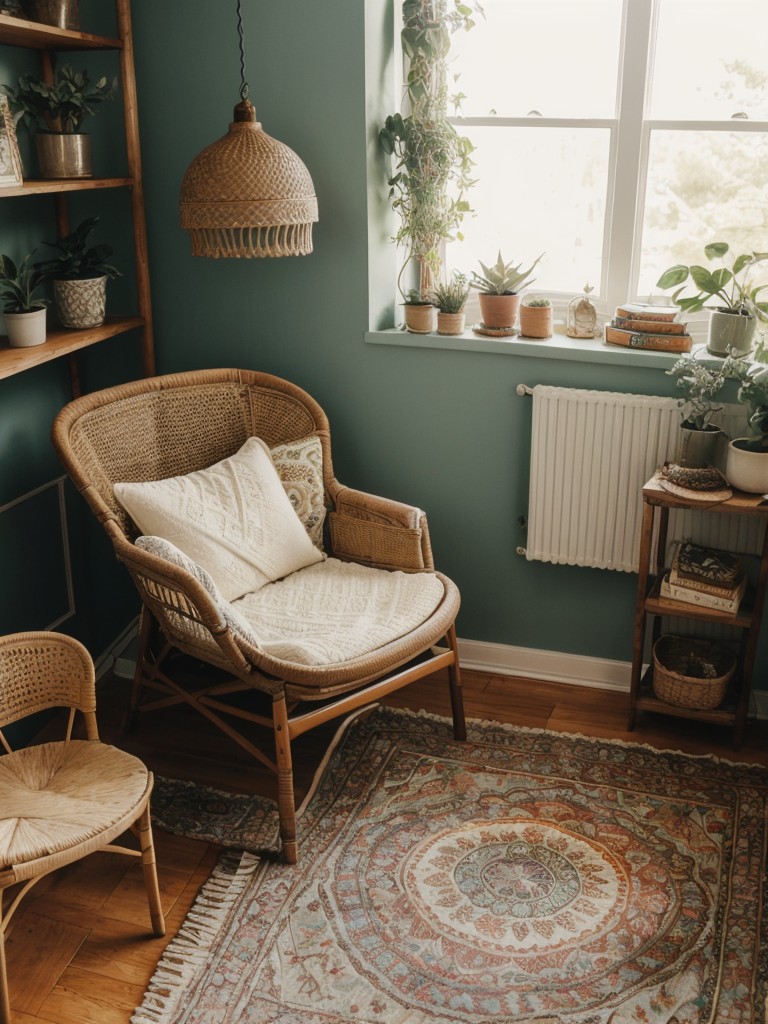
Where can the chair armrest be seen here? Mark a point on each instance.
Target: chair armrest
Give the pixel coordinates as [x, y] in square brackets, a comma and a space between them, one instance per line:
[379, 532]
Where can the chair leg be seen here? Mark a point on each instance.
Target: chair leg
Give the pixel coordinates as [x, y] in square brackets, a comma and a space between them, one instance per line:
[149, 866]
[5, 1005]
[286, 803]
[457, 697]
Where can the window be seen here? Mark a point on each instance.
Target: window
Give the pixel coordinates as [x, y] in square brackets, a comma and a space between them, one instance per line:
[618, 136]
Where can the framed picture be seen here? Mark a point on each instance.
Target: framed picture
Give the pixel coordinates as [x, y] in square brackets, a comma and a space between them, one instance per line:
[10, 161]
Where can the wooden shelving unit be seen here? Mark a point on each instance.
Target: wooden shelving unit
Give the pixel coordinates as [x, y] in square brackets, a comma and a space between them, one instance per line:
[48, 40]
[732, 712]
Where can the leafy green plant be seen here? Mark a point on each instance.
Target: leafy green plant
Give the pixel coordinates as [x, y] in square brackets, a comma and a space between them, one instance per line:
[753, 393]
[62, 105]
[502, 278]
[75, 260]
[700, 383]
[729, 285]
[432, 163]
[536, 303]
[413, 297]
[18, 285]
[451, 296]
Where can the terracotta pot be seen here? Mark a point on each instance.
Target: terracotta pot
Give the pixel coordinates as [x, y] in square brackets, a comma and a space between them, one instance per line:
[62, 155]
[499, 310]
[81, 304]
[420, 319]
[746, 470]
[450, 323]
[25, 329]
[535, 321]
[730, 331]
[699, 448]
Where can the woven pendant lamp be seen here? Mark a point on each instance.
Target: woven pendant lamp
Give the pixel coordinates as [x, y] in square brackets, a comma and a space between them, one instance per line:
[247, 194]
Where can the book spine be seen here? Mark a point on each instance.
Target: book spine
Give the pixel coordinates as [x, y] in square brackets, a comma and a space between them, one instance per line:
[700, 586]
[649, 326]
[698, 597]
[654, 342]
[650, 313]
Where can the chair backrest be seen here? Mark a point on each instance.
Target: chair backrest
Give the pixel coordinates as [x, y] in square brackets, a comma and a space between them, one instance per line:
[166, 426]
[45, 670]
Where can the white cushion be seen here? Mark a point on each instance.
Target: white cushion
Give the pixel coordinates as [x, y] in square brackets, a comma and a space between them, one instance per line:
[234, 519]
[335, 611]
[299, 465]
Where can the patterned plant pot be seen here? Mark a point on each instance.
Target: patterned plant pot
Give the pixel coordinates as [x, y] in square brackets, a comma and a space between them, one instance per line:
[535, 321]
[81, 304]
[450, 323]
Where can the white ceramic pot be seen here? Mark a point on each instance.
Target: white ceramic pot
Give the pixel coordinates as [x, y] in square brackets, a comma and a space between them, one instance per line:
[730, 331]
[25, 329]
[745, 470]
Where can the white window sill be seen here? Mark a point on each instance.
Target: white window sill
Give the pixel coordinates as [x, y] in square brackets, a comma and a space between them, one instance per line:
[559, 346]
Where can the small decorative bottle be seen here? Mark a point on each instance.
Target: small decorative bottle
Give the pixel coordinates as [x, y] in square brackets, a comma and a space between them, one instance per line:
[581, 318]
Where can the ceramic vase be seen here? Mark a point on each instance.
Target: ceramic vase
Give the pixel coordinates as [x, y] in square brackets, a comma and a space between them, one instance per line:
[450, 323]
[730, 332]
[420, 318]
[25, 329]
[699, 448]
[499, 311]
[746, 470]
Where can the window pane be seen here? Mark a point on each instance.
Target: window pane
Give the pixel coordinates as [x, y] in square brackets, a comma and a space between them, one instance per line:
[711, 60]
[702, 188]
[554, 56]
[542, 190]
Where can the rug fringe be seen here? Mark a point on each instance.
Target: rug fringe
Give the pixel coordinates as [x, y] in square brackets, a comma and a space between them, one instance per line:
[190, 950]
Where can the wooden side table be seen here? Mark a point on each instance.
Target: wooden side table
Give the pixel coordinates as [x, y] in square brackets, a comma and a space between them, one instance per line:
[657, 503]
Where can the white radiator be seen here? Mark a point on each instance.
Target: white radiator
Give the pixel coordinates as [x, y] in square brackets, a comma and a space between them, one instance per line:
[591, 453]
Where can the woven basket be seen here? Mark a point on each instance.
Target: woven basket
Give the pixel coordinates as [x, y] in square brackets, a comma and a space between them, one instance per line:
[676, 660]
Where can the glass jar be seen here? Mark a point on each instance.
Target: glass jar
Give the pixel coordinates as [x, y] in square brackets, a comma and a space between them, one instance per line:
[581, 316]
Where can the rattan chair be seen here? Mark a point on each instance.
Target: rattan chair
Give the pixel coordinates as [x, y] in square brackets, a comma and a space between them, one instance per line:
[60, 801]
[168, 426]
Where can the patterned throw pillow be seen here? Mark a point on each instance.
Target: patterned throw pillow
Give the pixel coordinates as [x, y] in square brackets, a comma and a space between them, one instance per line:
[234, 519]
[300, 467]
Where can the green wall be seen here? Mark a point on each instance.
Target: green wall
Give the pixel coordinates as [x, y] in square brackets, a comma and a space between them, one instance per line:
[443, 430]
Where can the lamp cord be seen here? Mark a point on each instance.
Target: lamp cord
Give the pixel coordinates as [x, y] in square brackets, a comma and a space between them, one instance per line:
[244, 84]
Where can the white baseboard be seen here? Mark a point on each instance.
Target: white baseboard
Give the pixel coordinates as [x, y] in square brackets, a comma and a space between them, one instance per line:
[553, 666]
[110, 659]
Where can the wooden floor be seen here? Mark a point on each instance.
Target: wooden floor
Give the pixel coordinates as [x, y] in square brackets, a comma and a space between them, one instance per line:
[79, 949]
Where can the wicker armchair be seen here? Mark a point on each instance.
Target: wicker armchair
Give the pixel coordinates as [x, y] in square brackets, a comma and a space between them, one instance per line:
[61, 801]
[170, 426]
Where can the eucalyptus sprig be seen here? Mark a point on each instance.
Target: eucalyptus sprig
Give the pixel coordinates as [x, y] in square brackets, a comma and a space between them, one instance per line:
[700, 383]
[62, 105]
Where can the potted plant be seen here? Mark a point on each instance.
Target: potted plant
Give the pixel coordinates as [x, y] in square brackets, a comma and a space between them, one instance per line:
[535, 317]
[432, 163]
[419, 312]
[732, 322]
[79, 273]
[57, 110]
[746, 466]
[24, 314]
[499, 286]
[699, 436]
[61, 13]
[450, 297]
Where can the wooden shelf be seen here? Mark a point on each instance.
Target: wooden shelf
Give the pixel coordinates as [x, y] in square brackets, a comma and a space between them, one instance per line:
[39, 186]
[725, 714]
[61, 343]
[33, 35]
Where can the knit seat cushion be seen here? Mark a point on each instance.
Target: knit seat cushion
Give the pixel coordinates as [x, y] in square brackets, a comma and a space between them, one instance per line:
[334, 611]
[56, 796]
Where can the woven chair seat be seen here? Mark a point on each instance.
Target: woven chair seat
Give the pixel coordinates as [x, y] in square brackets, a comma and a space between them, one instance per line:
[55, 798]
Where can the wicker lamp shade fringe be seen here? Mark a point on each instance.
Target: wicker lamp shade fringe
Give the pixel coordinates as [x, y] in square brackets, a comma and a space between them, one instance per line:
[248, 195]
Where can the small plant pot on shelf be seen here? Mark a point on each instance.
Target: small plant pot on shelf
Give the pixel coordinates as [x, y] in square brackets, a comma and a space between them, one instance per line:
[26, 329]
[420, 318]
[62, 155]
[730, 331]
[61, 13]
[81, 304]
[691, 673]
[746, 470]
[699, 448]
[450, 323]
[535, 321]
[499, 310]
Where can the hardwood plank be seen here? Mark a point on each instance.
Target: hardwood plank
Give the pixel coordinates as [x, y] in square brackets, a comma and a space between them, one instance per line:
[84, 998]
[32, 977]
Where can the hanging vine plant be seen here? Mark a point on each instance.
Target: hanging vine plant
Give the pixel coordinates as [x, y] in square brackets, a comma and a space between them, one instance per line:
[432, 163]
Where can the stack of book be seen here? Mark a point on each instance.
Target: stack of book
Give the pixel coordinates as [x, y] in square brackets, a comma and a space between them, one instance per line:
[636, 325]
[705, 576]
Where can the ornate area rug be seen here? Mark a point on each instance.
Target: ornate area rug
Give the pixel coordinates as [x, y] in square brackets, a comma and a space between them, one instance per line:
[523, 876]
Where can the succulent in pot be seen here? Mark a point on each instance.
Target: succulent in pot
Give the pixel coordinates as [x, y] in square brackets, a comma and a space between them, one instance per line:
[79, 273]
[499, 288]
[56, 110]
[419, 312]
[24, 314]
[535, 317]
[450, 298]
[747, 460]
[700, 385]
[725, 290]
